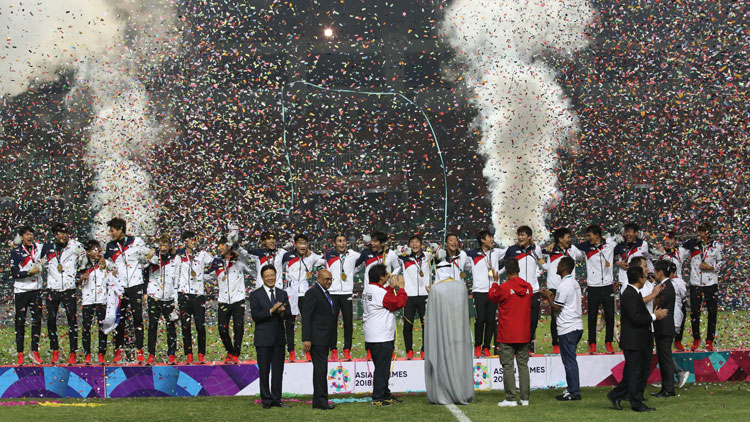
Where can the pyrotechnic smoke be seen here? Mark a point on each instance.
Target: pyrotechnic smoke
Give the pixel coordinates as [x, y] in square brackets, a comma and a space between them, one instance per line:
[110, 43]
[522, 113]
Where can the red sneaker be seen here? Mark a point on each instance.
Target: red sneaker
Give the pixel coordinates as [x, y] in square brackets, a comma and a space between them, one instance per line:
[228, 359]
[696, 344]
[201, 358]
[118, 356]
[189, 359]
[36, 358]
[139, 356]
[710, 345]
[307, 357]
[486, 352]
[410, 355]
[235, 359]
[151, 360]
[477, 351]
[292, 356]
[556, 350]
[102, 361]
[19, 360]
[678, 346]
[369, 355]
[421, 354]
[87, 359]
[55, 357]
[609, 347]
[72, 359]
[592, 348]
[173, 360]
[347, 354]
[334, 355]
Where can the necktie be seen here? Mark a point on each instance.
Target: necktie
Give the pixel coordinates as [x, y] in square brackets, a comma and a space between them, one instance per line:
[273, 297]
[328, 297]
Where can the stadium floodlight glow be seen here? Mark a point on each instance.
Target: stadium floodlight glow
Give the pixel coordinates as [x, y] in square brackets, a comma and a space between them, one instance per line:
[328, 32]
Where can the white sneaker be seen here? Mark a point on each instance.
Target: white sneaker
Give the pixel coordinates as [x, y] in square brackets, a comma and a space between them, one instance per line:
[524, 402]
[683, 378]
[506, 403]
[656, 385]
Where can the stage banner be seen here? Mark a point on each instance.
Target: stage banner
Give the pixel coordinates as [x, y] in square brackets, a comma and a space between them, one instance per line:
[52, 381]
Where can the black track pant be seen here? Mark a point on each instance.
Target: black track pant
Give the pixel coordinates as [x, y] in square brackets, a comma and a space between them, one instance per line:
[535, 302]
[68, 300]
[603, 296]
[98, 311]
[131, 306]
[192, 307]
[31, 300]
[289, 327]
[553, 323]
[235, 312]
[698, 295]
[414, 305]
[158, 309]
[343, 304]
[484, 325]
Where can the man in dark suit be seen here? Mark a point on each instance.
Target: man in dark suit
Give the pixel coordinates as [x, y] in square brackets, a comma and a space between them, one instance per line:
[269, 307]
[318, 328]
[664, 328]
[635, 338]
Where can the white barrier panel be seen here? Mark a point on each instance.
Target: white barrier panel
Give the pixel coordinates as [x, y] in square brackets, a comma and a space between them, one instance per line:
[408, 375]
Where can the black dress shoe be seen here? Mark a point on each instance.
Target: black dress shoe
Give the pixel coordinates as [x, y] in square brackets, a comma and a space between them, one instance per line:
[280, 404]
[568, 397]
[644, 409]
[267, 405]
[615, 402]
[663, 394]
[325, 407]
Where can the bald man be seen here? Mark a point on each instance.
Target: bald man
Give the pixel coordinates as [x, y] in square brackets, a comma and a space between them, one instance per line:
[318, 328]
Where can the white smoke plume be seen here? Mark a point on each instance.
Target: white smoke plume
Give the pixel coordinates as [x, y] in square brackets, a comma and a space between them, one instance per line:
[522, 113]
[110, 43]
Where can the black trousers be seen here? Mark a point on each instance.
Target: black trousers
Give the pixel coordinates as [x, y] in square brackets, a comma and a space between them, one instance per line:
[678, 334]
[192, 307]
[343, 304]
[289, 326]
[235, 312]
[601, 296]
[382, 353]
[646, 367]
[53, 300]
[131, 306]
[485, 323]
[553, 323]
[698, 295]
[535, 302]
[630, 385]
[414, 305]
[271, 358]
[99, 311]
[31, 300]
[319, 355]
[666, 363]
[157, 309]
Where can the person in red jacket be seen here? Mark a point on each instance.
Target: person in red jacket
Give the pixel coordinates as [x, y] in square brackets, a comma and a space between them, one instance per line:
[513, 331]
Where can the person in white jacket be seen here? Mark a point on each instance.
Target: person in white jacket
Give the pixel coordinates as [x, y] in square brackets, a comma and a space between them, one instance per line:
[61, 258]
[229, 269]
[191, 295]
[416, 266]
[162, 296]
[26, 268]
[95, 280]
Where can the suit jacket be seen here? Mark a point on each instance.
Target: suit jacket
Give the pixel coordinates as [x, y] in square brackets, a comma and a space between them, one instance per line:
[665, 300]
[269, 328]
[318, 320]
[635, 321]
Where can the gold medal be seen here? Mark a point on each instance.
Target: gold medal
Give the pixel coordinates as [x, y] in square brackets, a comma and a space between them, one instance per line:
[491, 274]
[343, 276]
[193, 273]
[421, 273]
[309, 275]
[463, 274]
[606, 264]
[59, 268]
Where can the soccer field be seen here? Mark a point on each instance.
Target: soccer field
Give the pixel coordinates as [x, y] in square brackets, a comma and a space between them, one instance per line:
[728, 402]
[732, 333]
